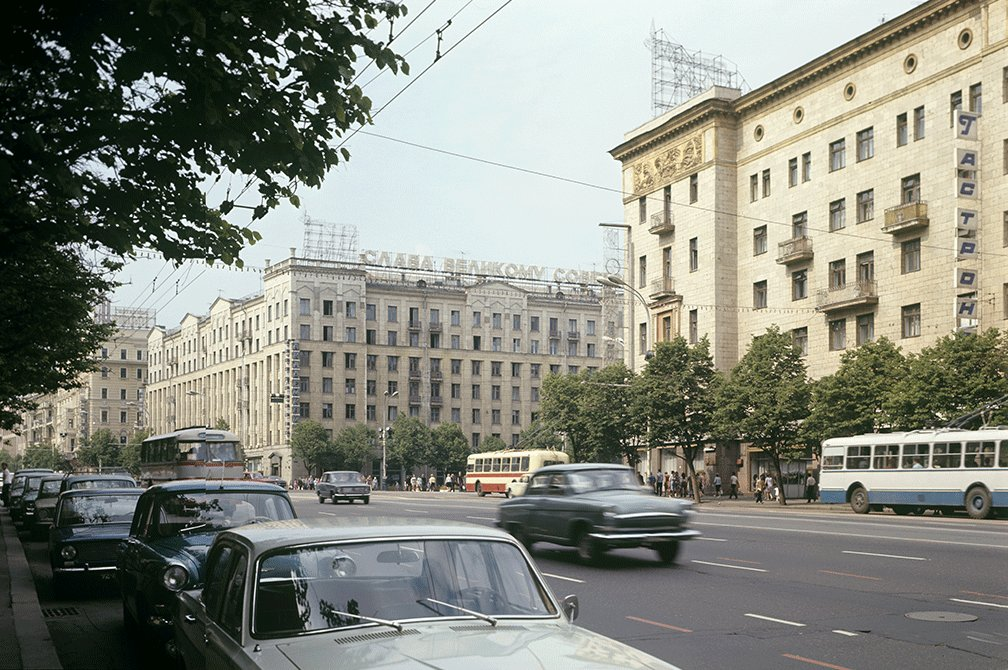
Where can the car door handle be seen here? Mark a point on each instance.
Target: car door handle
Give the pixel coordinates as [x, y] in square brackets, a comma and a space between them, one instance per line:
[189, 618]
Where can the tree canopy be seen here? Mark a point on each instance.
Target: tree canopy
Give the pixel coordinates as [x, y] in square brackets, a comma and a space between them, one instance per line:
[354, 445]
[449, 448]
[171, 126]
[310, 443]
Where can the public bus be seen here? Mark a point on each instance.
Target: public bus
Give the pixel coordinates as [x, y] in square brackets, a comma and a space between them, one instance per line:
[191, 453]
[493, 471]
[945, 470]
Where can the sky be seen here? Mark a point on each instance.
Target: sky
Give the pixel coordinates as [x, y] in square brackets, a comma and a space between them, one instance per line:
[549, 87]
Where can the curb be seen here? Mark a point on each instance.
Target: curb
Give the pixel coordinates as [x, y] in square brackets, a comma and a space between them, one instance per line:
[38, 652]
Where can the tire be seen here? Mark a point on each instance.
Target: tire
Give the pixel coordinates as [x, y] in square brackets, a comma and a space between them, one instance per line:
[367, 500]
[902, 510]
[978, 502]
[479, 490]
[507, 493]
[918, 511]
[334, 501]
[589, 550]
[518, 533]
[859, 500]
[321, 500]
[668, 552]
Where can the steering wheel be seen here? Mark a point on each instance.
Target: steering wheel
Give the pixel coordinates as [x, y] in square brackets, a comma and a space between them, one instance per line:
[481, 597]
[343, 566]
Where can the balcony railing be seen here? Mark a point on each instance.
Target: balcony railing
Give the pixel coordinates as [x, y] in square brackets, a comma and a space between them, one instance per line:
[414, 373]
[905, 218]
[795, 250]
[573, 335]
[414, 398]
[434, 326]
[855, 294]
[661, 223]
[661, 288]
[414, 325]
[436, 400]
[436, 374]
[554, 332]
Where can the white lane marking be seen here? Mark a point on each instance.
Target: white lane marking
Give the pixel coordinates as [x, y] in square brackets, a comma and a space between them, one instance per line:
[860, 536]
[566, 579]
[845, 632]
[482, 518]
[868, 553]
[980, 639]
[418, 511]
[711, 539]
[329, 513]
[783, 621]
[733, 567]
[978, 602]
[834, 519]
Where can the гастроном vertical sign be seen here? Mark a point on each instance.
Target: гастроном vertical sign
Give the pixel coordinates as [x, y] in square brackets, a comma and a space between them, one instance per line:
[967, 156]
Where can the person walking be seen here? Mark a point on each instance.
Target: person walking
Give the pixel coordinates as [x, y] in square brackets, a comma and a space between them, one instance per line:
[717, 485]
[733, 482]
[8, 477]
[768, 487]
[810, 488]
[760, 483]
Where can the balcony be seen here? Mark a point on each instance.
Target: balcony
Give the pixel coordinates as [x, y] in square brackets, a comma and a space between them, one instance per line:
[855, 294]
[795, 250]
[554, 333]
[436, 401]
[436, 374]
[413, 325]
[573, 335]
[414, 373]
[661, 223]
[662, 289]
[434, 326]
[415, 399]
[905, 218]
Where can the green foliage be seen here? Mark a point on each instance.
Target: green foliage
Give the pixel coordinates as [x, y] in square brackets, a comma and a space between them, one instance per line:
[12, 461]
[310, 443]
[222, 424]
[957, 375]
[539, 436]
[116, 119]
[355, 445]
[129, 453]
[409, 444]
[449, 448]
[492, 443]
[851, 401]
[42, 455]
[101, 449]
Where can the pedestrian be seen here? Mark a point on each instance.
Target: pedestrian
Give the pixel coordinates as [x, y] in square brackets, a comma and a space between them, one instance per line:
[734, 482]
[768, 487]
[449, 482]
[810, 488]
[8, 477]
[717, 485]
[659, 479]
[432, 483]
[760, 483]
[650, 480]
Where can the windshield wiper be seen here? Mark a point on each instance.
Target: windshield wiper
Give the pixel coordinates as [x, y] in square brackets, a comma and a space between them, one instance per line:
[195, 526]
[479, 615]
[371, 619]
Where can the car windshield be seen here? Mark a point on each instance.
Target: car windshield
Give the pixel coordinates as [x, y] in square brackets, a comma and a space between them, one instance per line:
[33, 484]
[584, 481]
[343, 477]
[209, 512]
[50, 488]
[96, 509]
[102, 484]
[327, 586]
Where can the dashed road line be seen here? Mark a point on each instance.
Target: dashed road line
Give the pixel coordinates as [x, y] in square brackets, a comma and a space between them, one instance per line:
[330, 513]
[737, 560]
[868, 553]
[418, 511]
[977, 602]
[733, 567]
[845, 632]
[482, 518]
[985, 595]
[848, 574]
[710, 539]
[566, 579]
[770, 618]
[812, 661]
[659, 624]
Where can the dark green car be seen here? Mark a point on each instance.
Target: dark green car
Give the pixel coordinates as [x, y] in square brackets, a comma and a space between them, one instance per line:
[595, 507]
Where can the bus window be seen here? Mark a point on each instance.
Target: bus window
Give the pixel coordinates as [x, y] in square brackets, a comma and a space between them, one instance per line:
[834, 462]
[947, 455]
[979, 455]
[886, 456]
[916, 455]
[1003, 458]
[525, 460]
[470, 467]
[858, 458]
[496, 465]
[505, 464]
[479, 465]
[516, 465]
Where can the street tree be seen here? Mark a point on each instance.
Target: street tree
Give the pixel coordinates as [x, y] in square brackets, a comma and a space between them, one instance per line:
[562, 410]
[100, 449]
[614, 429]
[851, 400]
[408, 446]
[310, 443]
[449, 448]
[222, 424]
[492, 443]
[675, 397]
[765, 399]
[539, 436]
[354, 446]
[42, 455]
[165, 126]
[955, 376]
[129, 454]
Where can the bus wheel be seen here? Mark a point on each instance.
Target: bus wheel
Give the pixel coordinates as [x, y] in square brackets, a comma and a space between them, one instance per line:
[507, 492]
[919, 511]
[902, 510]
[859, 500]
[479, 490]
[978, 502]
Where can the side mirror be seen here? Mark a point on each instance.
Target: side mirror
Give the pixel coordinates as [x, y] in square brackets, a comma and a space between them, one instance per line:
[570, 607]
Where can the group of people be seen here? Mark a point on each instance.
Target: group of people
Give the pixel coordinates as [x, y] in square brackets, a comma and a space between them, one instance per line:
[418, 483]
[678, 484]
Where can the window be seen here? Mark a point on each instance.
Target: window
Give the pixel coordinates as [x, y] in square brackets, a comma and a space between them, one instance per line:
[350, 361]
[456, 366]
[533, 346]
[370, 312]
[327, 333]
[792, 172]
[838, 334]
[122, 373]
[976, 98]
[477, 367]
[327, 410]
[919, 123]
[838, 155]
[910, 255]
[799, 338]
[534, 324]
[495, 417]
[1004, 157]
[371, 336]
[327, 359]
[456, 317]
[667, 202]
[477, 319]
[955, 103]
[351, 334]
[642, 272]
[392, 337]
[799, 285]
[694, 255]
[865, 328]
[911, 320]
[837, 214]
[759, 294]
[304, 332]
[642, 209]
[350, 412]
[350, 386]
[694, 188]
[456, 391]
[865, 144]
[799, 225]
[495, 392]
[475, 391]
[806, 166]
[495, 368]
[693, 326]
[516, 322]
[666, 329]
[495, 344]
[496, 320]
[477, 343]
[766, 183]
[534, 370]
[753, 188]
[837, 274]
[902, 130]
[590, 327]
[393, 313]
[759, 241]
[866, 205]
[371, 387]
[456, 341]
[866, 266]
[393, 363]
[641, 336]
[304, 306]
[910, 189]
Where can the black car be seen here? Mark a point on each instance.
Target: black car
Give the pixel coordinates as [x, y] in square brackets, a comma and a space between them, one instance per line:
[87, 528]
[98, 480]
[17, 486]
[20, 512]
[39, 512]
[175, 523]
[595, 507]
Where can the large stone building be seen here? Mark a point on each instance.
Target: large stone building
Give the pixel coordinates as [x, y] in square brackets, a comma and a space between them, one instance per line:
[344, 343]
[842, 202]
[830, 201]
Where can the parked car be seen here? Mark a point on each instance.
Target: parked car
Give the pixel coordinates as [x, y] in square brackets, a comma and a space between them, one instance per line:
[97, 480]
[175, 523]
[17, 487]
[87, 528]
[338, 593]
[20, 512]
[596, 507]
[343, 485]
[516, 487]
[39, 512]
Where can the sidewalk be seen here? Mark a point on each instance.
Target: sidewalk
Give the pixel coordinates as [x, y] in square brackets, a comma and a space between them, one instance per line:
[20, 615]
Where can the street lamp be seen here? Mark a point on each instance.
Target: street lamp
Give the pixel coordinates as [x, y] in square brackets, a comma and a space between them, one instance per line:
[615, 281]
[384, 434]
[192, 394]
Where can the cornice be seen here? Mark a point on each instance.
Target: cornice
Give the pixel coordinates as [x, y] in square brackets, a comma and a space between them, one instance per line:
[704, 113]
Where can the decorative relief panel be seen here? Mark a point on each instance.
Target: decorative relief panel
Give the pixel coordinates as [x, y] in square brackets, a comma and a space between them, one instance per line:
[667, 165]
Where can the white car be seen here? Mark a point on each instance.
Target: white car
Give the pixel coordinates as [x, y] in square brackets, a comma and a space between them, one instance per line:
[516, 487]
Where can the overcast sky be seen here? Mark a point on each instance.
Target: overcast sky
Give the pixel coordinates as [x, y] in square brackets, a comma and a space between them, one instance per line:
[546, 86]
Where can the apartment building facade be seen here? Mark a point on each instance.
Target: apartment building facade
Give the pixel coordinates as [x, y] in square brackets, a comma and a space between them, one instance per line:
[344, 343]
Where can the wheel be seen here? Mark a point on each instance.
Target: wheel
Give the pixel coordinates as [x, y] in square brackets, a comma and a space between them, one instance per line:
[321, 500]
[366, 500]
[479, 490]
[518, 533]
[334, 501]
[978, 502]
[668, 552]
[918, 511]
[859, 500]
[507, 493]
[588, 548]
[902, 510]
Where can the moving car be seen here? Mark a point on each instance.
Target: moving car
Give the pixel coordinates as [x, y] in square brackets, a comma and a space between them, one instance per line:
[174, 525]
[340, 593]
[596, 507]
[516, 487]
[342, 485]
[87, 528]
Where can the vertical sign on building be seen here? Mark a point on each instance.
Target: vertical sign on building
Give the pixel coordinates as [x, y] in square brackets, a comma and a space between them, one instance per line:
[967, 278]
[292, 382]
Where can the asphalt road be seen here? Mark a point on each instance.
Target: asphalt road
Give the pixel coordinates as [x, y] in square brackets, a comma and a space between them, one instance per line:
[805, 587]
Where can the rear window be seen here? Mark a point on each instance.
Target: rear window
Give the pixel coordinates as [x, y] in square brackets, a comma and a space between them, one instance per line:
[102, 484]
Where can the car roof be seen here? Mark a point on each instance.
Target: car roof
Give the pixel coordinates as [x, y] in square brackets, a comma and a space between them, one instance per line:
[268, 536]
[209, 485]
[340, 472]
[33, 471]
[90, 493]
[575, 467]
[78, 476]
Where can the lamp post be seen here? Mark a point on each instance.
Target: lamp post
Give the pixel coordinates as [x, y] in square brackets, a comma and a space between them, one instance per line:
[615, 281]
[192, 394]
[384, 435]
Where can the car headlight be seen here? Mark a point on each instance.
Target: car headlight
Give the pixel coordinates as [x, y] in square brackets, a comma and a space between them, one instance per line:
[68, 553]
[175, 577]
